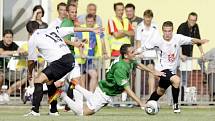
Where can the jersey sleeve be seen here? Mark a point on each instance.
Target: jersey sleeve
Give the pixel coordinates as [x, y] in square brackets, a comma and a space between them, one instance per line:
[65, 31]
[121, 78]
[184, 40]
[32, 53]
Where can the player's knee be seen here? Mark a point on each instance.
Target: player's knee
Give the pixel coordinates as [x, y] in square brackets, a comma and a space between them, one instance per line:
[160, 91]
[41, 78]
[175, 81]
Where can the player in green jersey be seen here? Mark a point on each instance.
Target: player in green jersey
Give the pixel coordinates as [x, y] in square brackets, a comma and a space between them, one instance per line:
[117, 80]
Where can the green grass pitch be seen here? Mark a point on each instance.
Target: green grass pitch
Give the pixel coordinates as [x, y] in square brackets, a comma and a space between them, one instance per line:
[15, 113]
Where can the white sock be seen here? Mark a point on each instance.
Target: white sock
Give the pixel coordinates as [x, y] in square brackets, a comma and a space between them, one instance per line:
[75, 106]
[87, 94]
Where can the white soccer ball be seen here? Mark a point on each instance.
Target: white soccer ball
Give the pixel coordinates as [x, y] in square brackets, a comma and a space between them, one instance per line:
[152, 107]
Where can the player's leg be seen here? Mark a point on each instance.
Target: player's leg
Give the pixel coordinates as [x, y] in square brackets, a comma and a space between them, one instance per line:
[164, 83]
[151, 79]
[87, 94]
[55, 71]
[75, 105]
[75, 74]
[51, 91]
[96, 102]
[175, 92]
[38, 91]
[93, 79]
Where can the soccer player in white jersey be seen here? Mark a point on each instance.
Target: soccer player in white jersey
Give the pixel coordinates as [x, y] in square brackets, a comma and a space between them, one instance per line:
[117, 81]
[54, 50]
[169, 46]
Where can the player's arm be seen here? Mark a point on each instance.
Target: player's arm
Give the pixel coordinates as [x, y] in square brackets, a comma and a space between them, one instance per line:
[201, 50]
[32, 55]
[199, 41]
[77, 44]
[154, 72]
[133, 96]
[5, 53]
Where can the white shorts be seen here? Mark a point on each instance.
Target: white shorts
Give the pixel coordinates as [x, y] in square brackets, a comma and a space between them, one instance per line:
[72, 74]
[98, 100]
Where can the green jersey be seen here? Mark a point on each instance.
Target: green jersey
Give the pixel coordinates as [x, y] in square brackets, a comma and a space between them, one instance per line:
[117, 77]
[68, 23]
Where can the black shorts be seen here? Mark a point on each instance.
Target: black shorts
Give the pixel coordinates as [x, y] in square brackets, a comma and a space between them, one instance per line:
[59, 68]
[165, 81]
[147, 62]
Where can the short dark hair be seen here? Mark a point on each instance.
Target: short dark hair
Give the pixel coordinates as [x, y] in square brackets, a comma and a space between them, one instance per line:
[116, 4]
[91, 4]
[69, 1]
[193, 14]
[130, 5]
[68, 5]
[61, 4]
[31, 26]
[148, 13]
[7, 31]
[124, 49]
[91, 16]
[167, 24]
[39, 7]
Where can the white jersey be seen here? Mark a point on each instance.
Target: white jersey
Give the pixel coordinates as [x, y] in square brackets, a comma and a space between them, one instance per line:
[146, 34]
[49, 43]
[170, 51]
[56, 23]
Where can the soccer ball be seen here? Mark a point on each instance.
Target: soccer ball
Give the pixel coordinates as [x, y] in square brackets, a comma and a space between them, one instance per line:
[152, 107]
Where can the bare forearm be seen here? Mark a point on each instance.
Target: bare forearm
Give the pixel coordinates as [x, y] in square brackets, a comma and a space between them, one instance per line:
[133, 96]
[104, 50]
[201, 50]
[81, 29]
[5, 53]
[119, 34]
[129, 33]
[143, 67]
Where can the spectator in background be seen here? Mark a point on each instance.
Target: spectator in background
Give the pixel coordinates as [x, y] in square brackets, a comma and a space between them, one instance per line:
[92, 48]
[146, 32]
[134, 20]
[7, 48]
[91, 9]
[119, 30]
[38, 13]
[189, 28]
[75, 2]
[61, 9]
[209, 57]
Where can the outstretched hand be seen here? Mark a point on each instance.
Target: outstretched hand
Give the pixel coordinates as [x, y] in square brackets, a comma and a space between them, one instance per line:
[204, 41]
[159, 73]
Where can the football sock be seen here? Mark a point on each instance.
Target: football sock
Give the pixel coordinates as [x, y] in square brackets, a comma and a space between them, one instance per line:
[154, 96]
[175, 94]
[77, 105]
[51, 91]
[87, 94]
[37, 97]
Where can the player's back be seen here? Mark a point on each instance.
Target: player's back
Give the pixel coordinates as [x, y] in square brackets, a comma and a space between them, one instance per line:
[49, 43]
[117, 77]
